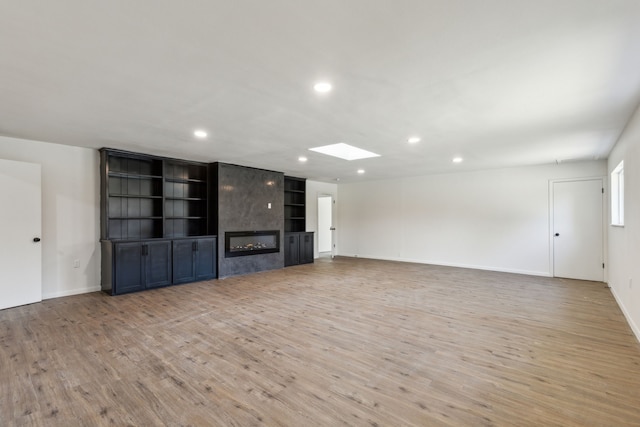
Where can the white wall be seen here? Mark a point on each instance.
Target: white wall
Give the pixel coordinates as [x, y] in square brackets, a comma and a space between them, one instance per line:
[315, 189]
[70, 213]
[493, 219]
[624, 242]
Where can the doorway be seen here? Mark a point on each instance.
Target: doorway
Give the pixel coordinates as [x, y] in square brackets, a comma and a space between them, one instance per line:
[20, 226]
[325, 225]
[577, 229]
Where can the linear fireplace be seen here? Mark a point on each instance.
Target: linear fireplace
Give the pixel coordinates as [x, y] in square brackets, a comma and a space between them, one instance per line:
[242, 243]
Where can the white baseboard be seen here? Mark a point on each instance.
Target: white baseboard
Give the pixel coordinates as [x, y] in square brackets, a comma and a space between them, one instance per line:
[627, 316]
[69, 292]
[446, 264]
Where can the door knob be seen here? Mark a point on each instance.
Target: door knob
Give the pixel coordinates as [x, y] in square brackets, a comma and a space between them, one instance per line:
[557, 234]
[36, 239]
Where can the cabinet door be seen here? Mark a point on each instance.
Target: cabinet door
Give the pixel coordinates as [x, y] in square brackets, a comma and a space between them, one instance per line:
[206, 258]
[128, 267]
[157, 263]
[291, 249]
[184, 267]
[306, 248]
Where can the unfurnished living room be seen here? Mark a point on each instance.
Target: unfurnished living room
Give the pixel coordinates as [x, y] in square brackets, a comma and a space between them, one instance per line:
[279, 213]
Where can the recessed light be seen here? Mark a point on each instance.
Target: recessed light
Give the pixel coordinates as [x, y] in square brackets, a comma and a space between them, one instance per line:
[457, 160]
[200, 133]
[360, 171]
[322, 87]
[344, 151]
[302, 159]
[413, 140]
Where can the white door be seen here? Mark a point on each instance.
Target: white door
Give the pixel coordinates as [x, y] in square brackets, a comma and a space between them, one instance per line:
[324, 223]
[20, 224]
[578, 229]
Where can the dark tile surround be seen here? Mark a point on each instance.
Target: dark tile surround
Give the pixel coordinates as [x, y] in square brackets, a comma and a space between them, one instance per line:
[242, 198]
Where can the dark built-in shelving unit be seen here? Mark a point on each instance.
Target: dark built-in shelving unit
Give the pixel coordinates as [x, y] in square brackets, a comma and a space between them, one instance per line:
[185, 193]
[132, 197]
[147, 197]
[154, 210]
[298, 248]
[294, 204]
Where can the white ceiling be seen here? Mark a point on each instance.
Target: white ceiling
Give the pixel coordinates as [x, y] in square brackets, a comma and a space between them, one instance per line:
[498, 82]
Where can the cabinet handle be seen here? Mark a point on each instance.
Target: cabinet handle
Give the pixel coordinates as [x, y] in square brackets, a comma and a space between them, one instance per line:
[194, 246]
[145, 250]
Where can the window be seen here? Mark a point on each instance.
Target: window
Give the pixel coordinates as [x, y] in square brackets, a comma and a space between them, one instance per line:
[617, 195]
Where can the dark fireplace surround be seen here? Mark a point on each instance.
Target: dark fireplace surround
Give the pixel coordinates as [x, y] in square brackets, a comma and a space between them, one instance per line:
[244, 243]
[247, 199]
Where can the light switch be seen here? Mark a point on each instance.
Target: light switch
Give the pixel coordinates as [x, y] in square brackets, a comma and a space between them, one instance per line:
[268, 205]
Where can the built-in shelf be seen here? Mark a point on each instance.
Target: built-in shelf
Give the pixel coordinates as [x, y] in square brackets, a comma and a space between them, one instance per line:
[181, 180]
[294, 204]
[154, 222]
[146, 197]
[134, 175]
[135, 196]
[135, 217]
[186, 217]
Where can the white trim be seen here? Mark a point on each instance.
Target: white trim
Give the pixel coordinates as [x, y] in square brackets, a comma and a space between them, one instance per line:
[447, 264]
[617, 195]
[634, 328]
[70, 292]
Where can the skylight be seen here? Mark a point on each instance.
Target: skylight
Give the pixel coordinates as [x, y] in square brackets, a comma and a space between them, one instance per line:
[344, 151]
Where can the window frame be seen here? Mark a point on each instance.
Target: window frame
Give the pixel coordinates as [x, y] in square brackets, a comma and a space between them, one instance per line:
[617, 195]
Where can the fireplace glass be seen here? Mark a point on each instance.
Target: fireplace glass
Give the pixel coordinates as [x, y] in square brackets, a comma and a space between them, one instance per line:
[243, 243]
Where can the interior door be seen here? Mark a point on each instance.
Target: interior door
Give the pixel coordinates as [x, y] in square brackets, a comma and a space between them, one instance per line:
[325, 204]
[578, 229]
[20, 228]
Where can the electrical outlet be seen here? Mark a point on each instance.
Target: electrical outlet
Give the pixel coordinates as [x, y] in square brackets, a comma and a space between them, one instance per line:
[76, 263]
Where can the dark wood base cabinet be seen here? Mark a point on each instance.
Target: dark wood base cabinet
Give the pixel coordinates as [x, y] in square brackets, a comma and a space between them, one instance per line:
[194, 259]
[298, 248]
[130, 266]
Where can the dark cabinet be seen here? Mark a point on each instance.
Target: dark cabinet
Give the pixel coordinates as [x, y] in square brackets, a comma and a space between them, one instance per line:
[155, 222]
[141, 265]
[298, 243]
[291, 249]
[194, 259]
[298, 248]
[136, 266]
[128, 266]
[157, 262]
[306, 248]
[206, 251]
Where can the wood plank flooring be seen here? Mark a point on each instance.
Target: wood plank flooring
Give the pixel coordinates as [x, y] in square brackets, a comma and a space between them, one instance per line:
[351, 342]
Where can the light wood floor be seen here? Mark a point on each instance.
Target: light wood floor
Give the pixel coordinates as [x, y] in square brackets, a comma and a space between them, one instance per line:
[340, 342]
